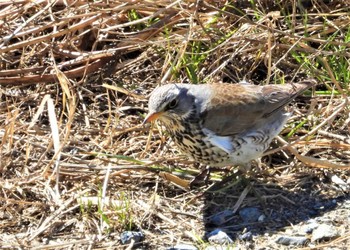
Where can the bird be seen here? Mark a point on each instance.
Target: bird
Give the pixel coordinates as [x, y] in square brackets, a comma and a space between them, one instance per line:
[222, 124]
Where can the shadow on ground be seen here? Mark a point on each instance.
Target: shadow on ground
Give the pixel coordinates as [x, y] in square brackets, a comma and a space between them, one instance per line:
[283, 204]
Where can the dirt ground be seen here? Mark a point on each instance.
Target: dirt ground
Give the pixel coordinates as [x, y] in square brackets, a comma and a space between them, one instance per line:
[77, 167]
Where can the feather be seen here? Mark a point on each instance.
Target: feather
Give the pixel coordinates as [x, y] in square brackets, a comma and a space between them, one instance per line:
[235, 109]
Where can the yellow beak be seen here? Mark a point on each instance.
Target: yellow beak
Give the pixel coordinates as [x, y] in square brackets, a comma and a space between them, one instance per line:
[152, 117]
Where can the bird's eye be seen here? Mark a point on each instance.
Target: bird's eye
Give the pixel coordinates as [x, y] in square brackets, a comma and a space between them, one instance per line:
[172, 104]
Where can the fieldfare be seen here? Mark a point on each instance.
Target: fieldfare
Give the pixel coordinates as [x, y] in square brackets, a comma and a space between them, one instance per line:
[223, 124]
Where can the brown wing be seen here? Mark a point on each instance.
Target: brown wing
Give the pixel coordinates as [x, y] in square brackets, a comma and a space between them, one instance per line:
[235, 108]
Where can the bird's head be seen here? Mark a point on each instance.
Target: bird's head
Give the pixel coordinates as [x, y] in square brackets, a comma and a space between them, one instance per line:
[169, 103]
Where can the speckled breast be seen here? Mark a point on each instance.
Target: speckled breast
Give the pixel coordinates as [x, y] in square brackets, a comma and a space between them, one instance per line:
[191, 141]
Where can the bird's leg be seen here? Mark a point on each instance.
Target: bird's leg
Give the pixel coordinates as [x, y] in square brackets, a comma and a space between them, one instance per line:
[254, 165]
[232, 179]
[243, 170]
[248, 171]
[203, 176]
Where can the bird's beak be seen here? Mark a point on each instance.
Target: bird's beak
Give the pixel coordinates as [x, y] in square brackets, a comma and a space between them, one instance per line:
[152, 117]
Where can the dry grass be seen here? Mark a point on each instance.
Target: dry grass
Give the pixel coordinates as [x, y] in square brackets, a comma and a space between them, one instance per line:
[77, 168]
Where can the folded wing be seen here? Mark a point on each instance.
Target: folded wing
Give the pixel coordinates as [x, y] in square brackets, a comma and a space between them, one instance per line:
[236, 108]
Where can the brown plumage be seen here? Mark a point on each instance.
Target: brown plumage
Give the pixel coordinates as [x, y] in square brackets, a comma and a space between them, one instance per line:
[221, 124]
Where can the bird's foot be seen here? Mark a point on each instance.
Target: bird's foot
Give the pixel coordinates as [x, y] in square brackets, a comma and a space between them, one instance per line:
[204, 175]
[201, 178]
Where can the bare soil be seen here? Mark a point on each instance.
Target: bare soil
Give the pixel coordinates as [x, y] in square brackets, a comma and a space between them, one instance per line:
[77, 168]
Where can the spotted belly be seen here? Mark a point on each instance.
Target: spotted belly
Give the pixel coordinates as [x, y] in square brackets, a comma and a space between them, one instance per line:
[250, 145]
[198, 147]
[195, 145]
